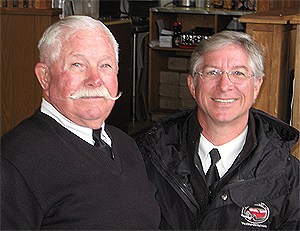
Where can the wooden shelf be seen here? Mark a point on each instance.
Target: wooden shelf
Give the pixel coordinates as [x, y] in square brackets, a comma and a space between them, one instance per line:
[197, 10]
[172, 49]
[280, 17]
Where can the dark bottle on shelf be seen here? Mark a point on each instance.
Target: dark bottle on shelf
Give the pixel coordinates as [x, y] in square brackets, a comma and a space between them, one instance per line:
[177, 27]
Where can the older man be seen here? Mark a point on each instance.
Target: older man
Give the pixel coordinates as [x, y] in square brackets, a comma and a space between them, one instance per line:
[63, 168]
[224, 165]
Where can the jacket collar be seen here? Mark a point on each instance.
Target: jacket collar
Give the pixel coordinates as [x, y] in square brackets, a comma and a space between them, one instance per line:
[192, 131]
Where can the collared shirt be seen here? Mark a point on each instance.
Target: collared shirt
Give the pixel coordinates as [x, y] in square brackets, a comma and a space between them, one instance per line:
[228, 152]
[84, 133]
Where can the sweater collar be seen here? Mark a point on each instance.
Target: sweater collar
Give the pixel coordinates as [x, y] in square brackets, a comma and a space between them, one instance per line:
[84, 133]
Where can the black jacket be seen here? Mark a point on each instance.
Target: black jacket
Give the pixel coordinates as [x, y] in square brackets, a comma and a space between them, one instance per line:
[259, 191]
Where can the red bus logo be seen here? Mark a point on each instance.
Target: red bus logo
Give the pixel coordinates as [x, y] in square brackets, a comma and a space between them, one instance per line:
[259, 213]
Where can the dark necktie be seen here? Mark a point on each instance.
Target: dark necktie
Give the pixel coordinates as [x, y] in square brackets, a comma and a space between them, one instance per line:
[100, 143]
[212, 174]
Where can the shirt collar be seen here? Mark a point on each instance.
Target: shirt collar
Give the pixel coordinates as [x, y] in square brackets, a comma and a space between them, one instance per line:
[84, 133]
[228, 152]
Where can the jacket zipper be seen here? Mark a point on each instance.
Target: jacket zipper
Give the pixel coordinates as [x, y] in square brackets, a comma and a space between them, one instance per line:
[188, 198]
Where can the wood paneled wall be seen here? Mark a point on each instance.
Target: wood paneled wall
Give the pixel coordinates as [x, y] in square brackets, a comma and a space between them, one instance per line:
[20, 91]
[267, 5]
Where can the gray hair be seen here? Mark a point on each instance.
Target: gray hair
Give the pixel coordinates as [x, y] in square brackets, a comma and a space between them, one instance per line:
[51, 42]
[223, 39]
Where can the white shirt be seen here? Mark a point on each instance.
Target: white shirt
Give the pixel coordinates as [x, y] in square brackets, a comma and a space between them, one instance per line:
[84, 133]
[228, 152]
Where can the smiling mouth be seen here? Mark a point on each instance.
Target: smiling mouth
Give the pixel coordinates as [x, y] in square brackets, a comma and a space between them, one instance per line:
[224, 100]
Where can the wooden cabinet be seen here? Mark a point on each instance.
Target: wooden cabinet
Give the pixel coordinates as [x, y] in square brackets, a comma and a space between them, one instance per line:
[296, 105]
[278, 31]
[159, 56]
[273, 31]
[20, 91]
[269, 5]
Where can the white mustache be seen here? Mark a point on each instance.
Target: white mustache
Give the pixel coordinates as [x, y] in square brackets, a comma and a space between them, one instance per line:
[93, 93]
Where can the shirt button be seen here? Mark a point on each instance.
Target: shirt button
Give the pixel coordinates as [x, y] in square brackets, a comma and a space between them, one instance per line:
[224, 197]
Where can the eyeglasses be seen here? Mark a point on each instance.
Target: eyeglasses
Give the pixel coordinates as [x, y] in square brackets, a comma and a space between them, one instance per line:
[237, 77]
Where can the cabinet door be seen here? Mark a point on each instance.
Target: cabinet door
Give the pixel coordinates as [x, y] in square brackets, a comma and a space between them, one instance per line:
[20, 91]
[275, 91]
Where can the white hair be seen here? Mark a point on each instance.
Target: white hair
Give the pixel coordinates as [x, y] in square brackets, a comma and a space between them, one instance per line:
[51, 42]
[225, 38]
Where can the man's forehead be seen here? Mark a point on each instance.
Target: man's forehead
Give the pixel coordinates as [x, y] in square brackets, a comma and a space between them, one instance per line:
[97, 32]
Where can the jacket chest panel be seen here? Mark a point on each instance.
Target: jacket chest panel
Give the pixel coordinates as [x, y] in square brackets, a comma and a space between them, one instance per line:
[249, 203]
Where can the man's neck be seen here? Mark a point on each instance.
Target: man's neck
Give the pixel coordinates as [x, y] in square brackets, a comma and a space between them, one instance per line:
[219, 133]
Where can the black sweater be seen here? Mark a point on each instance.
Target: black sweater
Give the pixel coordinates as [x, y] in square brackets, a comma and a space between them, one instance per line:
[52, 179]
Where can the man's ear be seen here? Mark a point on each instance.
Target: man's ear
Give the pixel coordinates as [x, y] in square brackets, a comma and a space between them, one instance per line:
[257, 87]
[43, 75]
[191, 85]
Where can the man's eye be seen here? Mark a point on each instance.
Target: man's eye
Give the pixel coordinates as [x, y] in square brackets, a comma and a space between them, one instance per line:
[105, 65]
[212, 72]
[76, 64]
[238, 73]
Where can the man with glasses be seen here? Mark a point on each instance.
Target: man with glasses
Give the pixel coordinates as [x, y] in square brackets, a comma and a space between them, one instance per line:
[224, 165]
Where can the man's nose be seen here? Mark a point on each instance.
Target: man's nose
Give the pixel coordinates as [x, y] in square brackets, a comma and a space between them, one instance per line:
[94, 77]
[225, 83]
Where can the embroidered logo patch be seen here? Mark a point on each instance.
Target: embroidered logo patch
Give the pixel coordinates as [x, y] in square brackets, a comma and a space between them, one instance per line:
[255, 215]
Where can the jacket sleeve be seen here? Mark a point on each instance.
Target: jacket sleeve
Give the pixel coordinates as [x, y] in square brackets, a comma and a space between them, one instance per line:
[142, 143]
[19, 208]
[291, 211]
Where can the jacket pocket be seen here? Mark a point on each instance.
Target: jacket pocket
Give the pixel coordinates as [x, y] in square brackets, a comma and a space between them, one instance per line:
[249, 204]
[258, 190]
